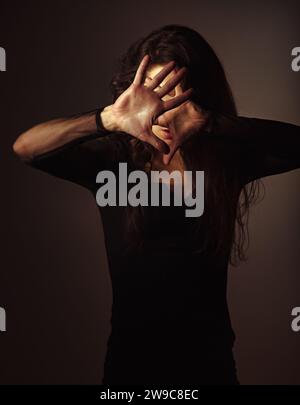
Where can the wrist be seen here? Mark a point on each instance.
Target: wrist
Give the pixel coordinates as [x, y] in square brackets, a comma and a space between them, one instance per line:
[106, 120]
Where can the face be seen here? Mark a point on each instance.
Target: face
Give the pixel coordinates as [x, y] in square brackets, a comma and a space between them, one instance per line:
[152, 71]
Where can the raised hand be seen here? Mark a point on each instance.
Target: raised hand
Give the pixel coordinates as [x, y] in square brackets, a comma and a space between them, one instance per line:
[182, 122]
[139, 107]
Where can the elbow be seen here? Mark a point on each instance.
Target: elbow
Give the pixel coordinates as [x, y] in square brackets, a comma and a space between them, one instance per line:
[21, 147]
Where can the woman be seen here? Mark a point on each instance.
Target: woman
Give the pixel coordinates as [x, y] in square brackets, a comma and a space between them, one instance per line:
[172, 109]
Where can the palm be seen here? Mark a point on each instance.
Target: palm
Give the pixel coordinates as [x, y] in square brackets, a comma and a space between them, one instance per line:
[137, 109]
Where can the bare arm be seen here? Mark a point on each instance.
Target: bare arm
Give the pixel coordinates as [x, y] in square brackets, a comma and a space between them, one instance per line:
[54, 134]
[133, 112]
[72, 148]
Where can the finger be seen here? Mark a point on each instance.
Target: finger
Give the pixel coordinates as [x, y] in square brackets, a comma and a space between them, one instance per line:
[148, 83]
[161, 75]
[176, 101]
[168, 157]
[139, 76]
[154, 141]
[172, 83]
[158, 143]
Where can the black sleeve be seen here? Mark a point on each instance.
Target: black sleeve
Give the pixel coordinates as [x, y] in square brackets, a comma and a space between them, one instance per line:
[267, 147]
[80, 161]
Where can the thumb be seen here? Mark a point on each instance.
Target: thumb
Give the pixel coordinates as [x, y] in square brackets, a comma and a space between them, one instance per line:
[159, 120]
[155, 141]
[168, 157]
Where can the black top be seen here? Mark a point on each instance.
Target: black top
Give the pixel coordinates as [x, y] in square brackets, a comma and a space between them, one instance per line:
[170, 321]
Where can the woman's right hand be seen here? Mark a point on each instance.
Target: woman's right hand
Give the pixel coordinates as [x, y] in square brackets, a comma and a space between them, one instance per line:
[138, 107]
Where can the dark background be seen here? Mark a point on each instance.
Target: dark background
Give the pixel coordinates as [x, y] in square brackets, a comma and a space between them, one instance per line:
[54, 280]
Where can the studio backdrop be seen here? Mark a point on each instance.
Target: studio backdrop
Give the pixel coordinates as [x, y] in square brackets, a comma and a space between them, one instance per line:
[57, 58]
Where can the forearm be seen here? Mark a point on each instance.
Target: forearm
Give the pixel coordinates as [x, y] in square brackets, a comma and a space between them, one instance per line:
[267, 147]
[274, 137]
[54, 134]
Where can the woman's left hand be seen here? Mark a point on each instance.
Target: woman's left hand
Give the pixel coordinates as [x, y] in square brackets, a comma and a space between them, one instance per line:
[182, 121]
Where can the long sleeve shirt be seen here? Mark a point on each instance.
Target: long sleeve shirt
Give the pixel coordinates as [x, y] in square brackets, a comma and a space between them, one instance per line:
[170, 319]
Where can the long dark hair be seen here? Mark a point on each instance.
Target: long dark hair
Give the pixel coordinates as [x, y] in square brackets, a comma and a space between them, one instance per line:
[226, 204]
